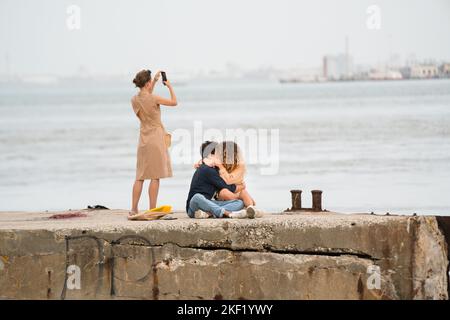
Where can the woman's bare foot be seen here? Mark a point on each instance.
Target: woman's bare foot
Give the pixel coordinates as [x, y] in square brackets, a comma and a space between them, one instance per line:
[133, 212]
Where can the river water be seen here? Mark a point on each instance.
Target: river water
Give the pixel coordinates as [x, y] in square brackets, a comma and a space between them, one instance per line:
[370, 146]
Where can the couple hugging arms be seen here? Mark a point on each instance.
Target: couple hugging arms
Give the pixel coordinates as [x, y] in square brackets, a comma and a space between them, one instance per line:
[217, 187]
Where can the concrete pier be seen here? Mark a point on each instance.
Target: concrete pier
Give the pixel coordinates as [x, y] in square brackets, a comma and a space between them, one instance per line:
[307, 255]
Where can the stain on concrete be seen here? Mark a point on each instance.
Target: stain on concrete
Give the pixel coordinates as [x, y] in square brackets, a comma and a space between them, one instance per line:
[155, 289]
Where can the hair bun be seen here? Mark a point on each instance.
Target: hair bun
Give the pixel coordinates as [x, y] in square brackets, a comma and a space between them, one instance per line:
[141, 78]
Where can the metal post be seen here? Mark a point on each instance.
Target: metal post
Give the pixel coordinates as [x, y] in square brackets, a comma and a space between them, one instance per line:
[296, 200]
[316, 200]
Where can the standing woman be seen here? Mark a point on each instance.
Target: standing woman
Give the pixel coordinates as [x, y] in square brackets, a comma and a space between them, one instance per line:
[153, 160]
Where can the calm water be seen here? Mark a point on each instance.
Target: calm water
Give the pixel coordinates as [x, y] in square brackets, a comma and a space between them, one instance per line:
[370, 146]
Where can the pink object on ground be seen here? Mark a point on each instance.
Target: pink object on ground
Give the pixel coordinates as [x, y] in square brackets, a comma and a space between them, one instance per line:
[68, 215]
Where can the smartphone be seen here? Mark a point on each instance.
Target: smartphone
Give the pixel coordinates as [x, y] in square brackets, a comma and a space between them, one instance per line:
[164, 78]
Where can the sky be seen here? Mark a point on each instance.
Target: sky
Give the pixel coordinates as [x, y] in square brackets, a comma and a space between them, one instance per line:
[116, 37]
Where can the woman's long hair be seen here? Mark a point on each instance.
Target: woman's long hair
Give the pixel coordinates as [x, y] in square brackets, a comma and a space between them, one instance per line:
[230, 154]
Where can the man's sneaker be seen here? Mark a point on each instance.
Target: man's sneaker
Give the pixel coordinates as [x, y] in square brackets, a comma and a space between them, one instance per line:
[241, 214]
[200, 214]
[259, 213]
[251, 212]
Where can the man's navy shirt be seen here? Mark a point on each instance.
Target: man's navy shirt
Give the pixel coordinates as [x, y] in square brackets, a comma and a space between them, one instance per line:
[207, 181]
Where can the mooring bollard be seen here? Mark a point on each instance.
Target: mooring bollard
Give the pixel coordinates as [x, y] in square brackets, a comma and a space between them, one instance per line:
[316, 200]
[296, 199]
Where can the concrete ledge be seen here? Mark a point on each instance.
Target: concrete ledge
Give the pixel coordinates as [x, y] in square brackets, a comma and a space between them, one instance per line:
[306, 256]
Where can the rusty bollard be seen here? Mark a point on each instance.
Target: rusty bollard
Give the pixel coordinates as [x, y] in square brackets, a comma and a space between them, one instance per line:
[316, 200]
[296, 199]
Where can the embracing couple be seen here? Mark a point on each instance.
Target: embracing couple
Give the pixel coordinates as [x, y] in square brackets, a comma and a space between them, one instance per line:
[217, 187]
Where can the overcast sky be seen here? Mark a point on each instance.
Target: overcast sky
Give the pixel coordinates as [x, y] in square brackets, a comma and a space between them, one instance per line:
[123, 36]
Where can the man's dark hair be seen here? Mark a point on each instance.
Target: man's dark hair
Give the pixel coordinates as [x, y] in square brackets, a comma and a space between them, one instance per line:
[207, 148]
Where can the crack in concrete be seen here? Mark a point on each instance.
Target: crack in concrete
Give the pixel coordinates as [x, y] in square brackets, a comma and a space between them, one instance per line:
[332, 252]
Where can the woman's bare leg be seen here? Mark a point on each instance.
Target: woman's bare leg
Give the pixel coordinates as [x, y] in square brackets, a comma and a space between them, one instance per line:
[246, 198]
[137, 190]
[153, 192]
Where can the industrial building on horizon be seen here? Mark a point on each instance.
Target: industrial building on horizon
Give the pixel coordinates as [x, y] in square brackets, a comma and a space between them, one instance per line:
[341, 67]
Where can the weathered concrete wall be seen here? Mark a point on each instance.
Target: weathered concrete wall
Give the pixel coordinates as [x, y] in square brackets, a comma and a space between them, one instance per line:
[308, 256]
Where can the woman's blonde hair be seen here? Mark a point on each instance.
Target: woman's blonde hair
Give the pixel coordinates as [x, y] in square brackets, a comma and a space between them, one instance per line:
[230, 155]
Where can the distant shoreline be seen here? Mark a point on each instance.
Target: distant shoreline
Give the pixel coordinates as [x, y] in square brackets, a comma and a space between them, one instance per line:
[359, 80]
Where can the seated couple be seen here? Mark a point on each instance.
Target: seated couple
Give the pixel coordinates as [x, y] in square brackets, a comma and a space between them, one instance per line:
[220, 175]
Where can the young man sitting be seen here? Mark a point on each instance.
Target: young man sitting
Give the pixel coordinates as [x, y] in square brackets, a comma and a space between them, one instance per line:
[205, 183]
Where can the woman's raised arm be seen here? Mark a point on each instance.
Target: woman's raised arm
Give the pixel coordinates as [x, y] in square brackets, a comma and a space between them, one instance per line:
[154, 81]
[172, 102]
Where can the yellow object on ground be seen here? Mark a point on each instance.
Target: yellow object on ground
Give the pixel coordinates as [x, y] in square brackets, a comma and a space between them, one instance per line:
[153, 214]
[167, 209]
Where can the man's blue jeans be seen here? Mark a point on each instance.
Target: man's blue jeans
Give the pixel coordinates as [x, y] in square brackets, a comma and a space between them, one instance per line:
[216, 207]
